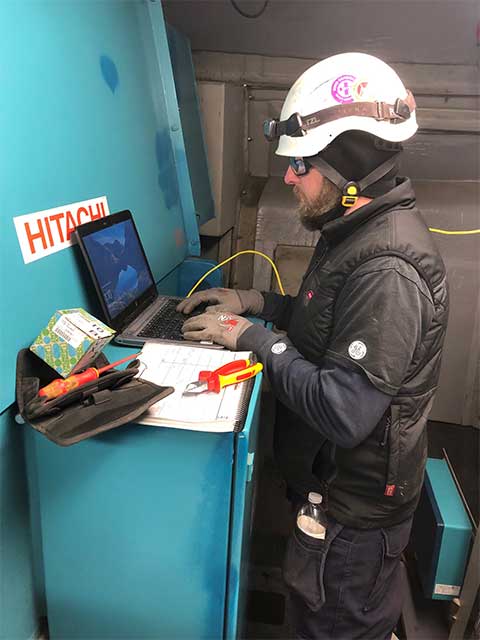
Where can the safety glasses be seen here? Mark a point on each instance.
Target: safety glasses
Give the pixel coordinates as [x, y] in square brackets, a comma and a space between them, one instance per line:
[300, 166]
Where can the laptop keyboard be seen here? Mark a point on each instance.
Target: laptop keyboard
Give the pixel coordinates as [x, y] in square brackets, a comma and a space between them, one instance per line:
[167, 323]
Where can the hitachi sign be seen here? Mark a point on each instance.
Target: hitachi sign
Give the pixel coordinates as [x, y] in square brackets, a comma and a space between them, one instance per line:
[45, 232]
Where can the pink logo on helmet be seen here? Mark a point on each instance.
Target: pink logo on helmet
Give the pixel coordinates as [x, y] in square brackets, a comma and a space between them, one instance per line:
[342, 88]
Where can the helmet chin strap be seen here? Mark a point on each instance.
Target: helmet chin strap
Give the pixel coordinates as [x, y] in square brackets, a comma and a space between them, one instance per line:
[351, 189]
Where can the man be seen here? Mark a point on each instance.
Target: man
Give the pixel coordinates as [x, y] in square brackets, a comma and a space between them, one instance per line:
[356, 373]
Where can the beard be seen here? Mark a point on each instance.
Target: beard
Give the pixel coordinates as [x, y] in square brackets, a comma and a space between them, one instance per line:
[312, 212]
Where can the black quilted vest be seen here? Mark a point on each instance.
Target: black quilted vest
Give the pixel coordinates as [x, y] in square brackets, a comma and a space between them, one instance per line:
[378, 482]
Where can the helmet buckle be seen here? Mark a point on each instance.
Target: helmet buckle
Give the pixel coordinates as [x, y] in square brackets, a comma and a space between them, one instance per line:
[349, 201]
[383, 112]
[294, 126]
[350, 194]
[401, 108]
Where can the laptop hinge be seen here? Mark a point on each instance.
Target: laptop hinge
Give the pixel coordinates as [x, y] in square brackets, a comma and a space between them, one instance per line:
[139, 310]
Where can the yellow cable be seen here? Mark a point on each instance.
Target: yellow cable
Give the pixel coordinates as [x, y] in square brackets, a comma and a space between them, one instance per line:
[235, 256]
[455, 233]
[259, 253]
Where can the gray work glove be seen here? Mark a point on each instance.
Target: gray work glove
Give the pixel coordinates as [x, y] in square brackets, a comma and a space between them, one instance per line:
[238, 301]
[221, 327]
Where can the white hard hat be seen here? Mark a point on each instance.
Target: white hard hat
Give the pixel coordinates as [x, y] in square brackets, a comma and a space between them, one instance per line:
[342, 93]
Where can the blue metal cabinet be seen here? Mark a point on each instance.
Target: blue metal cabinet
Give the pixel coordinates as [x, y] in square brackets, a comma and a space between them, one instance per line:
[241, 520]
[18, 601]
[142, 530]
[89, 109]
[138, 532]
[189, 112]
[441, 534]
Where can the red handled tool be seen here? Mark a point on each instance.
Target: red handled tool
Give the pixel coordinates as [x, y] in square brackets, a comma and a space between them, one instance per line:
[231, 373]
[59, 386]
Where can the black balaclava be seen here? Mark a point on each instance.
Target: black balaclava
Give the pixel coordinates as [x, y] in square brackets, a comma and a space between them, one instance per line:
[355, 154]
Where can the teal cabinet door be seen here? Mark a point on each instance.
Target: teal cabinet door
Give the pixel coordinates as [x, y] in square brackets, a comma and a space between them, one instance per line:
[134, 525]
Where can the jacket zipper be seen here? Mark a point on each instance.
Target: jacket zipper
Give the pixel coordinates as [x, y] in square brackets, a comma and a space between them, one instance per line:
[390, 480]
[386, 433]
[316, 263]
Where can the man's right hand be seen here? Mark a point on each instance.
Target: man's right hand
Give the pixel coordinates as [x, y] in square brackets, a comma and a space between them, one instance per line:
[238, 301]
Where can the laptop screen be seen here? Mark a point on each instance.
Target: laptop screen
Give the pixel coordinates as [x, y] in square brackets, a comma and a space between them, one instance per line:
[117, 262]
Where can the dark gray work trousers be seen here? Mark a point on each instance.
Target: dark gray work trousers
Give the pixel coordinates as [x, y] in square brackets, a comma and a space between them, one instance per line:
[348, 586]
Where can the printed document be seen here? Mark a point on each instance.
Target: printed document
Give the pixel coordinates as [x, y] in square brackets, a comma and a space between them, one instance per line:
[176, 366]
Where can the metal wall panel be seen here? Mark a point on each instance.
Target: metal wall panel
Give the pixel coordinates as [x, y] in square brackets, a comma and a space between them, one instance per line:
[426, 79]
[223, 116]
[454, 206]
[437, 31]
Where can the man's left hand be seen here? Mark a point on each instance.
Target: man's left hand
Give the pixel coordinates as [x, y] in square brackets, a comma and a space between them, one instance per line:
[220, 327]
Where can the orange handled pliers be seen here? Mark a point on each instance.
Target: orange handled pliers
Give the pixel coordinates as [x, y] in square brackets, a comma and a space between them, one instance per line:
[231, 373]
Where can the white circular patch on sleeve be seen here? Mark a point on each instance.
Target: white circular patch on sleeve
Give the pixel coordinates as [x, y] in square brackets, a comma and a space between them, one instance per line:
[357, 350]
[279, 347]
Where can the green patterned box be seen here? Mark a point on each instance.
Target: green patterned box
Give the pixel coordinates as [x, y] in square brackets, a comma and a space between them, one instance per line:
[71, 341]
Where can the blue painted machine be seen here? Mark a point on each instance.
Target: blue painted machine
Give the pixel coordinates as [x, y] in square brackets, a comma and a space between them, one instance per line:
[138, 533]
[441, 534]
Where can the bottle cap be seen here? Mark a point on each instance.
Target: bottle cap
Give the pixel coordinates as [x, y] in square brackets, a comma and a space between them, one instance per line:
[315, 498]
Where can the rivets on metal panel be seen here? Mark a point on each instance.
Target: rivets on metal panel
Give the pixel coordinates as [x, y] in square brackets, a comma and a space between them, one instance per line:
[249, 139]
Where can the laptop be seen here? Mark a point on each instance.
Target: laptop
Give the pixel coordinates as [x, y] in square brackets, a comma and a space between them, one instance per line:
[125, 286]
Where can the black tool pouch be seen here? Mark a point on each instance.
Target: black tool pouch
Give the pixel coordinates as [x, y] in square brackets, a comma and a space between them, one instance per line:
[113, 399]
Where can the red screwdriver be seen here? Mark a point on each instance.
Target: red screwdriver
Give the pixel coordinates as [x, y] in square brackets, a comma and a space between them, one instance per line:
[59, 386]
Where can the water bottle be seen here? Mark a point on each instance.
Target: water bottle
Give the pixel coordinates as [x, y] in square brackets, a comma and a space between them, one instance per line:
[311, 518]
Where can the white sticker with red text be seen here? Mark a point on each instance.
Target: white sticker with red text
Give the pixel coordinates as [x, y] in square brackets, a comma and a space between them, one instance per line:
[447, 590]
[45, 232]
